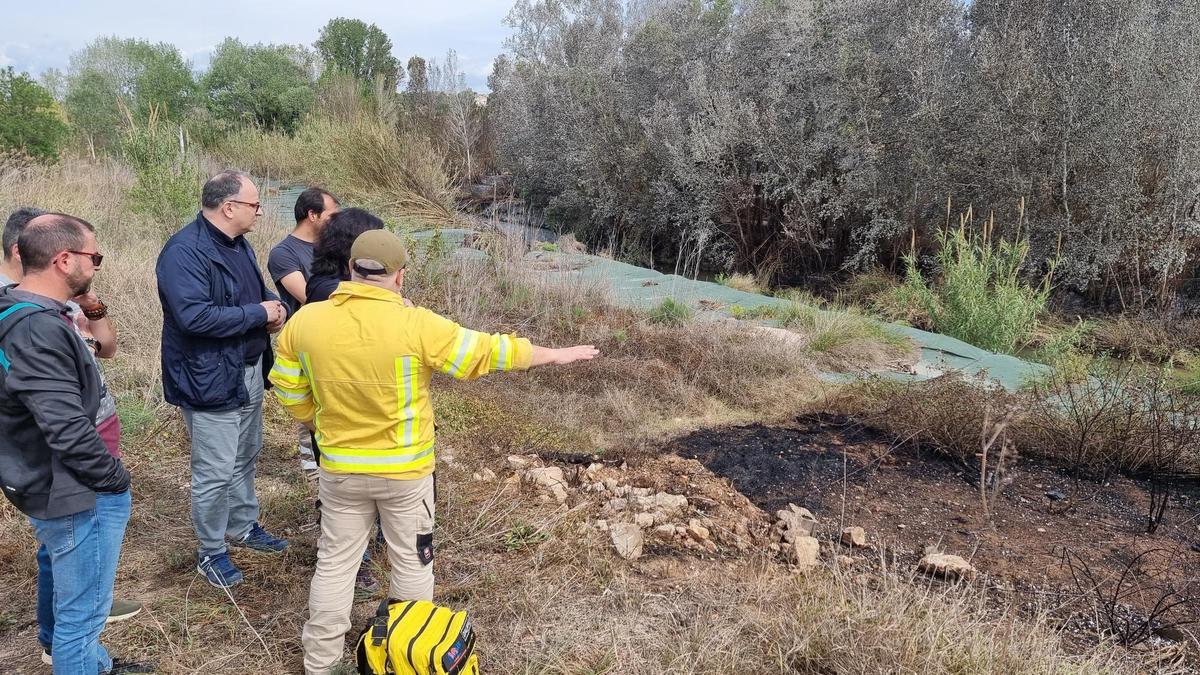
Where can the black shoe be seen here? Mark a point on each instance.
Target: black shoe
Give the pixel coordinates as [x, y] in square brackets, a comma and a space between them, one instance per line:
[121, 666]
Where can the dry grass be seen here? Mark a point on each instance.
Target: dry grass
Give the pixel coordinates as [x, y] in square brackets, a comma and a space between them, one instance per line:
[560, 602]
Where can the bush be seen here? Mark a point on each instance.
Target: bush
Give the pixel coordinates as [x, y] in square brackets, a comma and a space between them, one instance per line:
[398, 174]
[979, 296]
[671, 312]
[166, 182]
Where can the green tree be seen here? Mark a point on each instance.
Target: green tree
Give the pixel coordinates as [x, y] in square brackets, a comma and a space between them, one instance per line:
[28, 119]
[139, 74]
[361, 50]
[418, 75]
[265, 85]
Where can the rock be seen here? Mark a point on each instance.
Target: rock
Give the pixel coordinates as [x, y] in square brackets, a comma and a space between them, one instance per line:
[1056, 495]
[602, 525]
[627, 540]
[550, 477]
[519, 462]
[484, 475]
[697, 531]
[662, 501]
[665, 531]
[659, 517]
[643, 520]
[804, 551]
[946, 566]
[616, 505]
[794, 522]
[640, 491]
[610, 484]
[854, 536]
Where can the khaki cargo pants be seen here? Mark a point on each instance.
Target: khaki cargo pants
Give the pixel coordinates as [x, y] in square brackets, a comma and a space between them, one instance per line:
[349, 503]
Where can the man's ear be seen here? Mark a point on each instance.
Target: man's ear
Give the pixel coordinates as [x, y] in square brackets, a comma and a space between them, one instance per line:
[14, 254]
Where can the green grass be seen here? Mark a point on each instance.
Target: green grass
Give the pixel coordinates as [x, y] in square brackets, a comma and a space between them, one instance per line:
[979, 295]
[136, 417]
[522, 535]
[671, 312]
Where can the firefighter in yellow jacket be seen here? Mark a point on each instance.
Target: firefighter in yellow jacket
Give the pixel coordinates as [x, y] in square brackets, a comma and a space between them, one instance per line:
[356, 369]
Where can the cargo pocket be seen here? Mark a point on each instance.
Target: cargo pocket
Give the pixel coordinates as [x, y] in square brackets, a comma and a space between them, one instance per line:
[425, 547]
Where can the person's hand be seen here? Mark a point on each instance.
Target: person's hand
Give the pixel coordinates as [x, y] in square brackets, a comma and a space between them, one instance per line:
[87, 300]
[565, 355]
[276, 314]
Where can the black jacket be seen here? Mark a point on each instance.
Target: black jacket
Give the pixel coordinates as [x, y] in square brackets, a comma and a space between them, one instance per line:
[52, 461]
[204, 327]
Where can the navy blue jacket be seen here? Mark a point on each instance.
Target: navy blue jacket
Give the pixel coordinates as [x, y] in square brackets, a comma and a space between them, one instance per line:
[203, 326]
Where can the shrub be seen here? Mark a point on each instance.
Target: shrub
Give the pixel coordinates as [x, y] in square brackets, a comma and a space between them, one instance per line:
[979, 296]
[671, 312]
[166, 181]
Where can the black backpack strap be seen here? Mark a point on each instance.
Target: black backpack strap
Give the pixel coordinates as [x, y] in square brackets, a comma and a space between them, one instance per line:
[379, 622]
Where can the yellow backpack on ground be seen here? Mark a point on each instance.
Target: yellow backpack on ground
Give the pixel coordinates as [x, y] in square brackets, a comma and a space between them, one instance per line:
[417, 637]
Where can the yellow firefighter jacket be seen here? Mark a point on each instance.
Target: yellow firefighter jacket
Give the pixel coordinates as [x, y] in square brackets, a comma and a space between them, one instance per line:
[357, 367]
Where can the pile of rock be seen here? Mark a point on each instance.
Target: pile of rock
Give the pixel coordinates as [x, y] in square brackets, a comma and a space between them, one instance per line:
[794, 528]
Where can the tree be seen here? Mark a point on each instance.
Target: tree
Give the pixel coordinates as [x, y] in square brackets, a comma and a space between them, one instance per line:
[361, 50]
[418, 75]
[265, 85]
[29, 119]
[143, 76]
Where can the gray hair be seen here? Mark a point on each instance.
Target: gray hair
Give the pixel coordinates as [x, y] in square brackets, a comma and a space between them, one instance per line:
[222, 187]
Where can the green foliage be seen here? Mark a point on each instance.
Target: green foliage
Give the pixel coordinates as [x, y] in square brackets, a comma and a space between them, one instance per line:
[979, 296]
[136, 417]
[361, 50]
[547, 246]
[111, 72]
[522, 535]
[166, 182]
[671, 312]
[264, 85]
[29, 121]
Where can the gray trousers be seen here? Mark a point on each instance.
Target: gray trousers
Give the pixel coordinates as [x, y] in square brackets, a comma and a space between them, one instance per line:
[225, 447]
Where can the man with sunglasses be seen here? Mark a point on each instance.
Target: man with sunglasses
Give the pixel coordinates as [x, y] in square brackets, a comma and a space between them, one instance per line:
[55, 465]
[216, 350]
[89, 317]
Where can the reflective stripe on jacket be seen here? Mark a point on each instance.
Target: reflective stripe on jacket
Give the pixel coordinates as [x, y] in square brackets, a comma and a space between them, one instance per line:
[358, 366]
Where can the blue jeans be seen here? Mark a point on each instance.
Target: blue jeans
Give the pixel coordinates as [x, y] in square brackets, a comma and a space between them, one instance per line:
[77, 564]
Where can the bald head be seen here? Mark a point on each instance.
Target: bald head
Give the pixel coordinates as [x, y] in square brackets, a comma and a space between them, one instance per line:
[48, 235]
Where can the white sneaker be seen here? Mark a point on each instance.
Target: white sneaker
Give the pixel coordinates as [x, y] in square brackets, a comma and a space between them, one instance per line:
[308, 465]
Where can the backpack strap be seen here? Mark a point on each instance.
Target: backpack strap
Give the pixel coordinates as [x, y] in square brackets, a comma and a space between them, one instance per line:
[17, 310]
[379, 622]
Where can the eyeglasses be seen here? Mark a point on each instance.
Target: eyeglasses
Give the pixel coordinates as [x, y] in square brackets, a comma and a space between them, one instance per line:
[97, 258]
[257, 205]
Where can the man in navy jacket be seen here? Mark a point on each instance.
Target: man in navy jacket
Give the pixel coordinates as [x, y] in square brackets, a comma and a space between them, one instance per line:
[216, 351]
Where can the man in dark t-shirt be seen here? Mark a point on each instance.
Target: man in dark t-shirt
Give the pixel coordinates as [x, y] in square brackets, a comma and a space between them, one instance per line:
[291, 259]
[289, 265]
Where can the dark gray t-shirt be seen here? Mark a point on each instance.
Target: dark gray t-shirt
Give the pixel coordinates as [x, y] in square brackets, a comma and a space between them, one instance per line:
[290, 255]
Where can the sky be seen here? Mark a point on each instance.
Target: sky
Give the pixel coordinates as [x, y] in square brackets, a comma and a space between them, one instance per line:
[36, 36]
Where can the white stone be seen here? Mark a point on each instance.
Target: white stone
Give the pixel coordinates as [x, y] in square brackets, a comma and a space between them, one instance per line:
[946, 566]
[854, 536]
[803, 552]
[627, 540]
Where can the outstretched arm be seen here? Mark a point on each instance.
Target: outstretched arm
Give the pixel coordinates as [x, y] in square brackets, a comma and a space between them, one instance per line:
[546, 356]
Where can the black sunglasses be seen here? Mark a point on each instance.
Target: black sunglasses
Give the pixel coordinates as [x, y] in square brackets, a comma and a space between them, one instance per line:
[97, 258]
